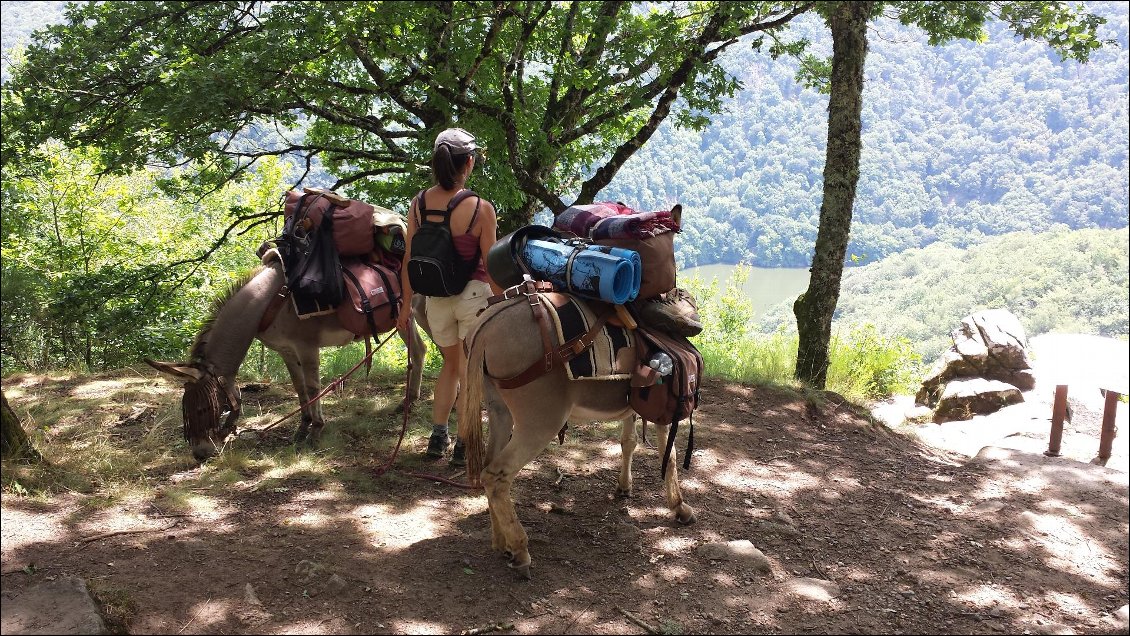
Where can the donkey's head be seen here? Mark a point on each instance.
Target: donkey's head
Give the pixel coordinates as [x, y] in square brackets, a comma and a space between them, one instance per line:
[210, 406]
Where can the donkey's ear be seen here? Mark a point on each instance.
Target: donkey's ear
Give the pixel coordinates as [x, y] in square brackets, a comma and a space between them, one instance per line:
[178, 371]
[677, 214]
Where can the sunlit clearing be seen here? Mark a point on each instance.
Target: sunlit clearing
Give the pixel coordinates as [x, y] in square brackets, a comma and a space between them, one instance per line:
[106, 388]
[49, 529]
[404, 528]
[1070, 603]
[723, 579]
[309, 519]
[305, 463]
[674, 572]
[845, 480]
[988, 596]
[1068, 546]
[418, 627]
[671, 545]
[206, 508]
[940, 501]
[611, 451]
[751, 476]
[207, 612]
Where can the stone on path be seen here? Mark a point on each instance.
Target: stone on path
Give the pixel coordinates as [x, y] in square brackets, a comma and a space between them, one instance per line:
[739, 550]
[63, 606]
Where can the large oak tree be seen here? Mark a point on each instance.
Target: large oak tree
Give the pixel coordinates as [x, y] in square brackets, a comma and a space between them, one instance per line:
[562, 93]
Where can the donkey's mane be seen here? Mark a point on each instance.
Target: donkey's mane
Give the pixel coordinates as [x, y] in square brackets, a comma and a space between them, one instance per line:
[196, 354]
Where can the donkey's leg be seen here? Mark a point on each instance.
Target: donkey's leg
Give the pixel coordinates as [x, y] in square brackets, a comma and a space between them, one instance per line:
[627, 449]
[298, 379]
[683, 513]
[417, 350]
[534, 428]
[312, 420]
[500, 427]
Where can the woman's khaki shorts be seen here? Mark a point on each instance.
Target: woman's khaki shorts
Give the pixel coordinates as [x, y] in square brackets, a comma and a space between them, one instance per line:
[452, 317]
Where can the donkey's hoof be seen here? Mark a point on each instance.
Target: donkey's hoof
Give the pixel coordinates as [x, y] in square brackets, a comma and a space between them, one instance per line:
[622, 493]
[302, 434]
[684, 514]
[522, 566]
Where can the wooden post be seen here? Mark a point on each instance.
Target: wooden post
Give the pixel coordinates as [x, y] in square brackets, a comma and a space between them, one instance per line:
[1106, 440]
[1059, 412]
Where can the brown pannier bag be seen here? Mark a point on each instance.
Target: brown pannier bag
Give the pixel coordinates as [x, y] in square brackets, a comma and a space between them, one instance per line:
[670, 398]
[666, 399]
[372, 299]
[657, 258]
[352, 219]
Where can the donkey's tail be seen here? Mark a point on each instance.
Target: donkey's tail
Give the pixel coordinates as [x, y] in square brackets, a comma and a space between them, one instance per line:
[470, 410]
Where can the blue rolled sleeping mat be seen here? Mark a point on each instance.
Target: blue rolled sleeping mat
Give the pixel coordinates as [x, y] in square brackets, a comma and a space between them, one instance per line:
[599, 272]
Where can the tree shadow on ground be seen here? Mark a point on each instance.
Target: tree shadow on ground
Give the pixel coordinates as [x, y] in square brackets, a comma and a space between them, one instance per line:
[863, 530]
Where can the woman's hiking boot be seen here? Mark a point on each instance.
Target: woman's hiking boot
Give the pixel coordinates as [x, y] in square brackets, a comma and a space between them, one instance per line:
[459, 454]
[437, 445]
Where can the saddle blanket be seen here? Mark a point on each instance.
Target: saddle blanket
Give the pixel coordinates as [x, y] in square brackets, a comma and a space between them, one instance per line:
[612, 355]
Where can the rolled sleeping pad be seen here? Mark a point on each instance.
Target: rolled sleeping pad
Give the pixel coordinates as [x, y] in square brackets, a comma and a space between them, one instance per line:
[629, 255]
[586, 272]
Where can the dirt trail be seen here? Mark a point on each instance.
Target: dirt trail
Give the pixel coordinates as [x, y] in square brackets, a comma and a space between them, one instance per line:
[860, 530]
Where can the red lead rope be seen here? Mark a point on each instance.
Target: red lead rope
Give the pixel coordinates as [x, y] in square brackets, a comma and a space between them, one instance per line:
[339, 382]
[384, 468]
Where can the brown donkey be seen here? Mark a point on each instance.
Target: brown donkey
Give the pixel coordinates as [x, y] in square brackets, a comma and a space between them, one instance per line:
[524, 420]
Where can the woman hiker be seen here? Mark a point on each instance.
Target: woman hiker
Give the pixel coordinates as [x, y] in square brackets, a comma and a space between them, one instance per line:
[473, 229]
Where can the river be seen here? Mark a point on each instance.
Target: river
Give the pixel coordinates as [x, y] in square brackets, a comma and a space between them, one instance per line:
[765, 286]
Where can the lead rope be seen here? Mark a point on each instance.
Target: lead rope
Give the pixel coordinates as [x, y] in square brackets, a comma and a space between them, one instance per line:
[381, 470]
[338, 383]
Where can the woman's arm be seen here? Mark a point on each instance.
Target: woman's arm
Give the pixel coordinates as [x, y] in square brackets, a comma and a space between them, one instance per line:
[406, 285]
[488, 236]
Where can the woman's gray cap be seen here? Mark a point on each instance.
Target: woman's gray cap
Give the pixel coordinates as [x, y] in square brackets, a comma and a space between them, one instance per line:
[457, 140]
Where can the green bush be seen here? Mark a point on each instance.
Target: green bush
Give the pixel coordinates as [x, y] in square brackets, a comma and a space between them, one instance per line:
[864, 364]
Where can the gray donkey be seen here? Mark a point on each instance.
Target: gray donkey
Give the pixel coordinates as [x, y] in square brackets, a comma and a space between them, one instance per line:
[211, 400]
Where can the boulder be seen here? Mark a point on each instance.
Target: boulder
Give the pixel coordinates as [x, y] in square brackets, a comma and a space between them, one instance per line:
[989, 344]
[965, 397]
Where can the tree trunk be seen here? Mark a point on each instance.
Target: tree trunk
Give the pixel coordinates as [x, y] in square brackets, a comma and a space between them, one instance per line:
[15, 444]
[814, 308]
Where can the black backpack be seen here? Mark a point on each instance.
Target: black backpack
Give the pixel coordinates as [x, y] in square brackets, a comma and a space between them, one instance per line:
[435, 268]
[311, 260]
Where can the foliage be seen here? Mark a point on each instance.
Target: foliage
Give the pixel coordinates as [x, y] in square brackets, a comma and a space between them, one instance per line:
[562, 93]
[961, 141]
[88, 258]
[1057, 281]
[865, 364]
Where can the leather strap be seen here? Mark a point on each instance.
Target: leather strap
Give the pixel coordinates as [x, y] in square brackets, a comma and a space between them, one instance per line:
[523, 288]
[273, 309]
[553, 356]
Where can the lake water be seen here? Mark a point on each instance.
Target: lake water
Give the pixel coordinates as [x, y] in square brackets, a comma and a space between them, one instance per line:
[765, 286]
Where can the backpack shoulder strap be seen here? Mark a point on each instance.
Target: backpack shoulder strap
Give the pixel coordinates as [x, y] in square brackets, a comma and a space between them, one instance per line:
[459, 198]
[420, 206]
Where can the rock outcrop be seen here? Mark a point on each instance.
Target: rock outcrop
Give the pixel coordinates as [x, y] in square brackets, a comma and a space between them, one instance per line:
[987, 367]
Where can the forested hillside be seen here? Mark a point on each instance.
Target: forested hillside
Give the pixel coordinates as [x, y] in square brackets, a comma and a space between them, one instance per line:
[20, 19]
[1065, 281]
[960, 142]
